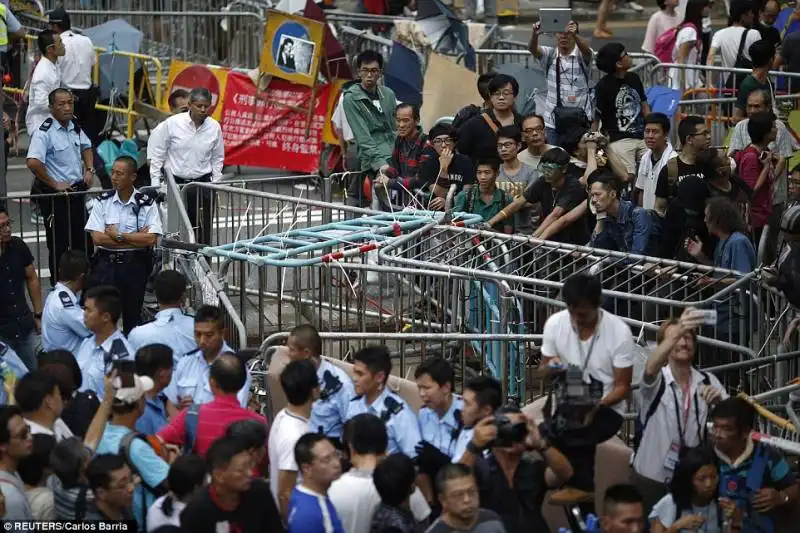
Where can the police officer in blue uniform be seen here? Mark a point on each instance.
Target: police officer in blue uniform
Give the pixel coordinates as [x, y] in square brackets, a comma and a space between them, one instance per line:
[124, 226]
[440, 419]
[171, 325]
[11, 368]
[190, 379]
[482, 397]
[97, 354]
[60, 157]
[371, 370]
[329, 412]
[62, 317]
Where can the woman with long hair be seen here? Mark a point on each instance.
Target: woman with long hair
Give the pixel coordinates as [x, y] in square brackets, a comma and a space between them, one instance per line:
[186, 476]
[691, 504]
[688, 44]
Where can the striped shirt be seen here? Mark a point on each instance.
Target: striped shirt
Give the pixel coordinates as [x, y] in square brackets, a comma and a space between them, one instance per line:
[213, 419]
[576, 87]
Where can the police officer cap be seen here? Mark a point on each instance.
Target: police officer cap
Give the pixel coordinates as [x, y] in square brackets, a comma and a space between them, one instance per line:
[790, 222]
[58, 15]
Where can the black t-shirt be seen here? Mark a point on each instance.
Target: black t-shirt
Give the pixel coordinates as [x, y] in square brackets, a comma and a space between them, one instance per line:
[666, 188]
[769, 33]
[16, 318]
[569, 196]
[520, 507]
[461, 171]
[79, 412]
[256, 512]
[619, 106]
[685, 214]
[476, 139]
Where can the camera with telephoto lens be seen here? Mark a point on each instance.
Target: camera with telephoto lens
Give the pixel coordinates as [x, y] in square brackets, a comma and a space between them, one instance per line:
[508, 432]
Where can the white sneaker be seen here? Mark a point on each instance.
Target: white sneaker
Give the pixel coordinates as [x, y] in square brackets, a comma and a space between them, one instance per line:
[636, 7]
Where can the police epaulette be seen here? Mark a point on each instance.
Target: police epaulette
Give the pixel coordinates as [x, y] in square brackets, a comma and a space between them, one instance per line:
[46, 124]
[105, 195]
[143, 198]
[66, 301]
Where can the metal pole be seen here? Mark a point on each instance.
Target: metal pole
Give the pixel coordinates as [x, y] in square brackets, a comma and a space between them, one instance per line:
[3, 162]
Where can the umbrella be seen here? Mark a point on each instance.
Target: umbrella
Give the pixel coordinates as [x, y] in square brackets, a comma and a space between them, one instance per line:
[445, 30]
[403, 74]
[337, 66]
[115, 34]
[532, 86]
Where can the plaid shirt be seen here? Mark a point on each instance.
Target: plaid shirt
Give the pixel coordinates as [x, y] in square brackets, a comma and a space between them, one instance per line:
[407, 156]
[576, 82]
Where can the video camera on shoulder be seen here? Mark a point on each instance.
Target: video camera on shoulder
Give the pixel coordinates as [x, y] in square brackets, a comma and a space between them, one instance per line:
[574, 397]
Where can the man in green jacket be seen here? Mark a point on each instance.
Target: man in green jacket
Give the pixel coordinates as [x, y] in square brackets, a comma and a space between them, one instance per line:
[369, 109]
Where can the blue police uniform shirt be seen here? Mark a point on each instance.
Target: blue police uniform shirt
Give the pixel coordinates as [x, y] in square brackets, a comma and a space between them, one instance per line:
[461, 444]
[155, 414]
[402, 427]
[11, 360]
[59, 148]
[329, 412]
[62, 320]
[130, 217]
[443, 433]
[171, 327]
[190, 378]
[151, 467]
[96, 361]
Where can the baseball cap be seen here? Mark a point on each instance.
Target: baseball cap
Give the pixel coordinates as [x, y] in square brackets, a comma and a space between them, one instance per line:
[57, 15]
[128, 395]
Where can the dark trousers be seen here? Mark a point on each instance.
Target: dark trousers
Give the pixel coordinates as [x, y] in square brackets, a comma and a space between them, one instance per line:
[64, 221]
[86, 114]
[199, 207]
[128, 272]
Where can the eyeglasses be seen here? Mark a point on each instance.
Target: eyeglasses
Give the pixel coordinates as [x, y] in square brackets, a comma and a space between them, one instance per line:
[506, 145]
[24, 434]
[504, 94]
[439, 142]
[548, 170]
[369, 71]
[130, 480]
[6, 225]
[531, 131]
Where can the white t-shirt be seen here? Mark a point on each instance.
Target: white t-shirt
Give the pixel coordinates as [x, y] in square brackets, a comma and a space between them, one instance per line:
[647, 177]
[664, 511]
[60, 429]
[659, 22]
[355, 498]
[286, 430]
[339, 120]
[613, 347]
[727, 40]
[686, 35]
[156, 517]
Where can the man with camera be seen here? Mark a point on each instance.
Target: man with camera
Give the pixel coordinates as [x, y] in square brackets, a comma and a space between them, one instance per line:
[511, 482]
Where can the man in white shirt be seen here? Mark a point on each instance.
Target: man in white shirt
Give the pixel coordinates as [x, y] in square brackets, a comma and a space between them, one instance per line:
[354, 494]
[76, 69]
[301, 386]
[675, 399]
[39, 398]
[190, 145]
[659, 151]
[46, 79]
[735, 40]
[586, 336]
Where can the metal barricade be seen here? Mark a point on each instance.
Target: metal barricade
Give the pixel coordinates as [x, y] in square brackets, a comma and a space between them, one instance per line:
[229, 38]
[355, 41]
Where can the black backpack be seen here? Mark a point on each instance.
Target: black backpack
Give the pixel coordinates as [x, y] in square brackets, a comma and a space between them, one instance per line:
[735, 80]
[464, 114]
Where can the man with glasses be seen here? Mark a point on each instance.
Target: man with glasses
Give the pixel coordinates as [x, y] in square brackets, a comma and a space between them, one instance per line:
[444, 167]
[310, 508]
[190, 145]
[18, 326]
[112, 484]
[369, 108]
[16, 443]
[533, 135]
[477, 138]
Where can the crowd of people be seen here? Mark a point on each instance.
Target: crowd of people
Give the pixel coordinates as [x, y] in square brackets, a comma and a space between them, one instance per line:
[157, 427]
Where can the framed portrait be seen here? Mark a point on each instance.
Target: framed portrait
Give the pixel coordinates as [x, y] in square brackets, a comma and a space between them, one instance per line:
[292, 48]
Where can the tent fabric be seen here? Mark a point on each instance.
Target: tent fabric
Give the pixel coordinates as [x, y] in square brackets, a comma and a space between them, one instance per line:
[403, 74]
[115, 34]
[445, 31]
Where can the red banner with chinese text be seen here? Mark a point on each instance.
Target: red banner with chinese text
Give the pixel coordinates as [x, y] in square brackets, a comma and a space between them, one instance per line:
[260, 132]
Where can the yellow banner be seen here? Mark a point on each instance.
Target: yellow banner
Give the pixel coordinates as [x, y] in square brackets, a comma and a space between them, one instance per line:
[328, 135]
[188, 76]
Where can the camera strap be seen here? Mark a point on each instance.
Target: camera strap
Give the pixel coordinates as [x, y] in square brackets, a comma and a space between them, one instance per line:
[586, 356]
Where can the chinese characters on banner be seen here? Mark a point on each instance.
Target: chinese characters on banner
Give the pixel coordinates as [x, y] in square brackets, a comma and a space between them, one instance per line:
[260, 132]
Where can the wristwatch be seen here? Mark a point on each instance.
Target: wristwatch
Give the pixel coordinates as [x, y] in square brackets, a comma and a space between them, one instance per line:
[119, 237]
[39, 315]
[474, 449]
[92, 170]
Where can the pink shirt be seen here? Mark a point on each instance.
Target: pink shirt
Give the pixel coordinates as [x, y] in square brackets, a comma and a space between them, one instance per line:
[761, 202]
[659, 22]
[213, 420]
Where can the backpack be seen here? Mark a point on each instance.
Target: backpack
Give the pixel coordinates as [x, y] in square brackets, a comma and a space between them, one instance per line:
[190, 423]
[735, 80]
[665, 43]
[641, 423]
[125, 452]
[464, 114]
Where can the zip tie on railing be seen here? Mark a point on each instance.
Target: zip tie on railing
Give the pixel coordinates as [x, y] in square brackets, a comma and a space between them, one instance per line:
[396, 229]
[335, 256]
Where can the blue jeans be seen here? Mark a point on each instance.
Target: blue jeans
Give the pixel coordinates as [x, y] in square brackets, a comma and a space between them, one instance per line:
[26, 347]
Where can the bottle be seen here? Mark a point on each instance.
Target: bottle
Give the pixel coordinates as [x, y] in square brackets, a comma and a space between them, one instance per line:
[592, 523]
